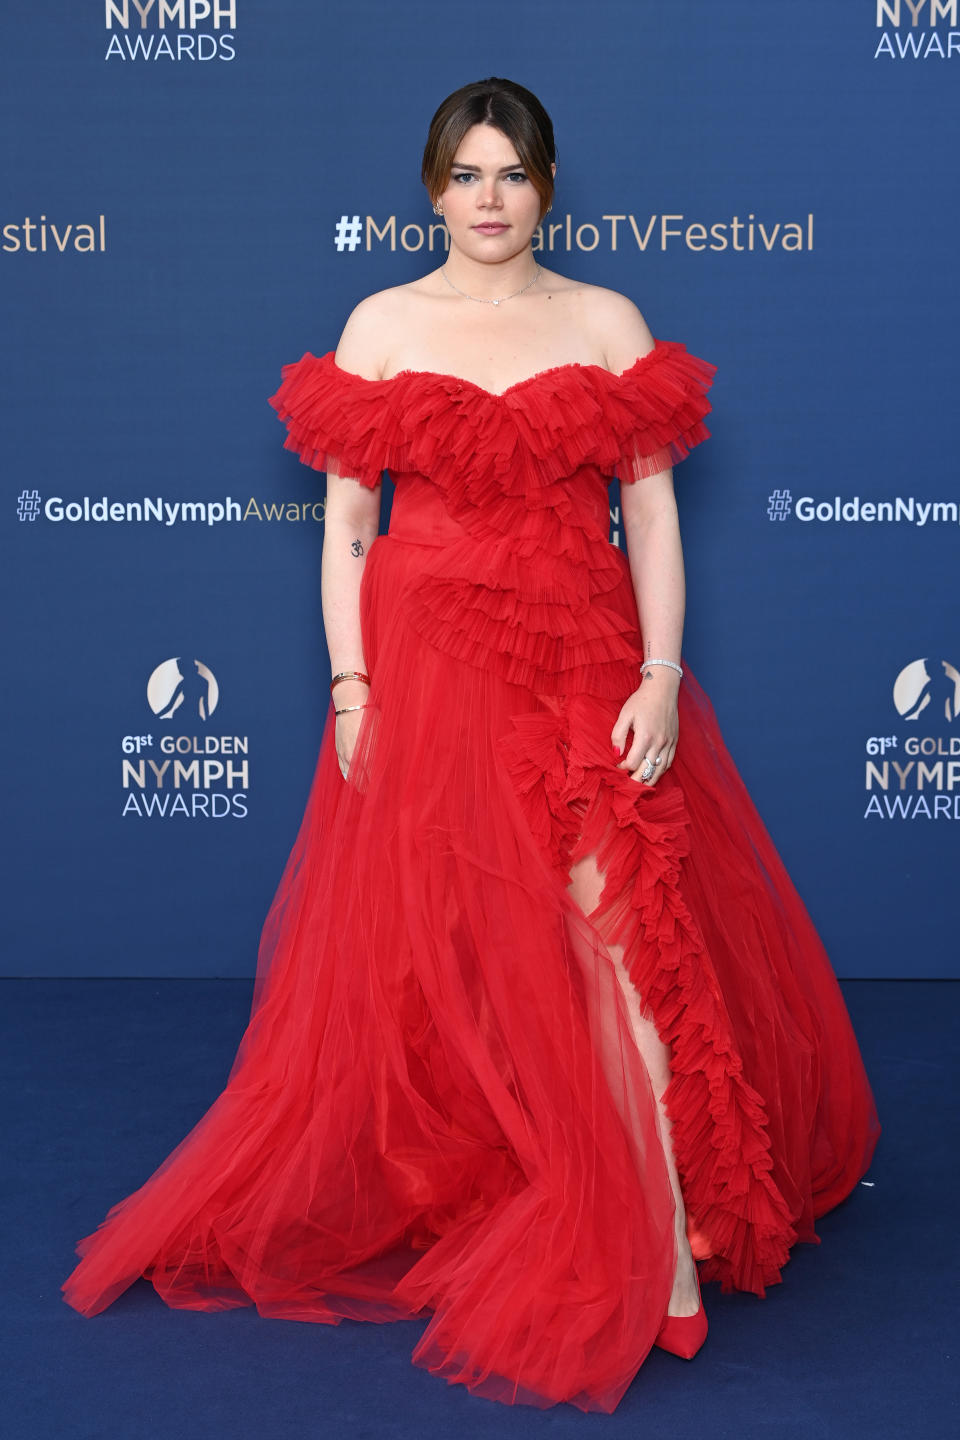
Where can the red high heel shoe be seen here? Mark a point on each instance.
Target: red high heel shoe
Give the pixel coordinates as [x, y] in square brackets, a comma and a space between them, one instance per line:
[684, 1334]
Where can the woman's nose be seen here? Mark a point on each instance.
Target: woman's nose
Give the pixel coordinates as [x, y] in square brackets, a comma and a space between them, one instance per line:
[489, 193]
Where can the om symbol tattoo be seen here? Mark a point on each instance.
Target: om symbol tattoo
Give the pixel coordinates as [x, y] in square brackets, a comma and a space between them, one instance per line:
[357, 547]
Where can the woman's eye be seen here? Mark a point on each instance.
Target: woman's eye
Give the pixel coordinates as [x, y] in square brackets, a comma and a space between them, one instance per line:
[464, 176]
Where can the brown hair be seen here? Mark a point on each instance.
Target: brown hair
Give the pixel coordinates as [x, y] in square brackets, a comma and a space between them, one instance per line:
[508, 107]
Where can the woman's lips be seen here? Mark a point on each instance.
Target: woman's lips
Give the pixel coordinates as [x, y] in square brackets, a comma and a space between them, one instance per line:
[491, 227]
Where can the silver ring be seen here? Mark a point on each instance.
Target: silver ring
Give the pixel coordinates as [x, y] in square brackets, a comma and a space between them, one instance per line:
[648, 770]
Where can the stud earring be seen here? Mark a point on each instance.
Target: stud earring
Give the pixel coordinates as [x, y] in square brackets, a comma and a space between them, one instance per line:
[437, 208]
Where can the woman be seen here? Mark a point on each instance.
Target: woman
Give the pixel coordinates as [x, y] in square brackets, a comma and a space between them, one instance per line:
[540, 1021]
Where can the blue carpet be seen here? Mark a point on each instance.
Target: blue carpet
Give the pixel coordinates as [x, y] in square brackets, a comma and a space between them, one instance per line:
[104, 1077]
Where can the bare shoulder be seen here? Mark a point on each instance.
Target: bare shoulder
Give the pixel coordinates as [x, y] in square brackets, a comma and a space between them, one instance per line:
[372, 329]
[616, 325]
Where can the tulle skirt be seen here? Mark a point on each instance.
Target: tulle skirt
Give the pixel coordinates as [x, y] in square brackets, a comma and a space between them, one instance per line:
[439, 1107]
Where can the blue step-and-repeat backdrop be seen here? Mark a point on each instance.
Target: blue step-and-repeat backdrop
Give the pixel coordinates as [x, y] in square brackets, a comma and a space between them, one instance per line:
[197, 191]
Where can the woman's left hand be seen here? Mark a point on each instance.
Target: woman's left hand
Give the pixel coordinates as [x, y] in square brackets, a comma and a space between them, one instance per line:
[651, 714]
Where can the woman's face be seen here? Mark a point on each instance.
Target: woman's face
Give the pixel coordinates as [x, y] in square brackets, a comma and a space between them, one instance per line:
[490, 205]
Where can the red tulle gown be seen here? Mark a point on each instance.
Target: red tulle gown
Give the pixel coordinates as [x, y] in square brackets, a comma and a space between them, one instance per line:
[439, 1107]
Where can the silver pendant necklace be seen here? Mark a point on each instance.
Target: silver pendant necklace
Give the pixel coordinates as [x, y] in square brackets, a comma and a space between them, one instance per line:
[480, 299]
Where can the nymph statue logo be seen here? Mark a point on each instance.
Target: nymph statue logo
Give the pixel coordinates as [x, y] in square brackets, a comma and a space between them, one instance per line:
[928, 685]
[183, 682]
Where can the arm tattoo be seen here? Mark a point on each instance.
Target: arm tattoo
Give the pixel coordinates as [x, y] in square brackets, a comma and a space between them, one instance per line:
[357, 547]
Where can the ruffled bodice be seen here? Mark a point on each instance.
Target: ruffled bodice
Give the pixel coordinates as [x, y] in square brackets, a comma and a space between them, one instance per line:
[510, 490]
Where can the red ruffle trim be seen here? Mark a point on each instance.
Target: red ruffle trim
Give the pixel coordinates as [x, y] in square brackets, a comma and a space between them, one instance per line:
[576, 805]
[475, 443]
[534, 620]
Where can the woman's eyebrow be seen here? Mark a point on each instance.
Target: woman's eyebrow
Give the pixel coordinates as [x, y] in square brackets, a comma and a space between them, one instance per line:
[475, 169]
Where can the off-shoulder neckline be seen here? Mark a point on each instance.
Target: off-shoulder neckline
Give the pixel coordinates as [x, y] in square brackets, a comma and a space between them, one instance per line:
[498, 394]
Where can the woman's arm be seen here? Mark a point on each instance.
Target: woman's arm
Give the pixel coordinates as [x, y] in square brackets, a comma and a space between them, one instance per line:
[652, 530]
[351, 523]
[648, 725]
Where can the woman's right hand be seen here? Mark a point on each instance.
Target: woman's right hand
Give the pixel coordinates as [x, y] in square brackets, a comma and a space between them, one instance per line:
[345, 694]
[348, 728]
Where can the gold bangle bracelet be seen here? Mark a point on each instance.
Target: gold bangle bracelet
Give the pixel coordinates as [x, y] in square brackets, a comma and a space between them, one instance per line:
[349, 675]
